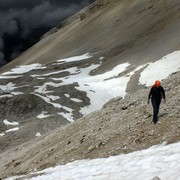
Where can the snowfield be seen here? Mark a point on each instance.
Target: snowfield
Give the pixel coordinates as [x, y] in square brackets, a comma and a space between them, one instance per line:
[99, 88]
[161, 69]
[161, 161]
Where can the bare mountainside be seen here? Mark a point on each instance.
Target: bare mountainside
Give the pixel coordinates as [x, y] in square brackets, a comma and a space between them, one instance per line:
[122, 126]
[103, 57]
[122, 31]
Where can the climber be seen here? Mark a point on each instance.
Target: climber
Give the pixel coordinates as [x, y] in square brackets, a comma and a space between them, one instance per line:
[156, 94]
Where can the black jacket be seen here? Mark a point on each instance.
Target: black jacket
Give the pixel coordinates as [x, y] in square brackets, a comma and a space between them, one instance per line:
[157, 93]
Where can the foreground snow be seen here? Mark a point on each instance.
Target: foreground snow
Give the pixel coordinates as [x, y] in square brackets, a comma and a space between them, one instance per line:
[162, 161]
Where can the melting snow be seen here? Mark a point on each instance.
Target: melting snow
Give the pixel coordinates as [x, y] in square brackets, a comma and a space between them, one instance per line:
[8, 95]
[101, 58]
[8, 87]
[161, 161]
[16, 93]
[38, 134]
[2, 134]
[43, 115]
[42, 89]
[76, 58]
[13, 129]
[67, 95]
[67, 115]
[53, 98]
[99, 88]
[24, 69]
[10, 123]
[9, 77]
[161, 69]
[68, 111]
[72, 70]
[76, 100]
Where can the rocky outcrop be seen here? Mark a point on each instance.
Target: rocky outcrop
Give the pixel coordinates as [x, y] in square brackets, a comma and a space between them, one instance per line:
[23, 107]
[24, 110]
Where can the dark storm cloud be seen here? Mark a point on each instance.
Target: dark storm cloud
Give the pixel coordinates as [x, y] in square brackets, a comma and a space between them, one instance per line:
[17, 4]
[29, 4]
[19, 19]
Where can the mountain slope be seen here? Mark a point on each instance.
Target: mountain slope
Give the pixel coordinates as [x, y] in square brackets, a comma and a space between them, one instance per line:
[123, 31]
[108, 50]
[122, 126]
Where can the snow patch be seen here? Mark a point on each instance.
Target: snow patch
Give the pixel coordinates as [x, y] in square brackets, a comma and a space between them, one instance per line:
[161, 161]
[68, 114]
[24, 69]
[101, 58]
[43, 115]
[160, 69]
[9, 77]
[53, 98]
[76, 58]
[8, 95]
[6, 122]
[76, 100]
[42, 89]
[67, 95]
[99, 88]
[38, 134]
[13, 129]
[2, 134]
[8, 87]
[16, 93]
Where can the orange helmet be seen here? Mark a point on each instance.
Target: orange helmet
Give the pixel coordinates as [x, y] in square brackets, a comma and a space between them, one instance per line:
[157, 83]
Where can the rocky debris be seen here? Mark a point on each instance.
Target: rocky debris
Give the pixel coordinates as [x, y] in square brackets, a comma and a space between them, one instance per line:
[27, 105]
[108, 132]
[83, 14]
[24, 109]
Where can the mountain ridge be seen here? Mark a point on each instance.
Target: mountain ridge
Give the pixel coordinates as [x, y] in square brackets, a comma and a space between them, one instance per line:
[116, 18]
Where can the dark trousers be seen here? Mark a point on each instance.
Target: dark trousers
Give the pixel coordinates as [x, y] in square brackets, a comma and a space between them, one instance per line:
[155, 103]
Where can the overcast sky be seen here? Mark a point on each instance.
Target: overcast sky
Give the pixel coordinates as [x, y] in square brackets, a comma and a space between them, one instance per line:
[20, 19]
